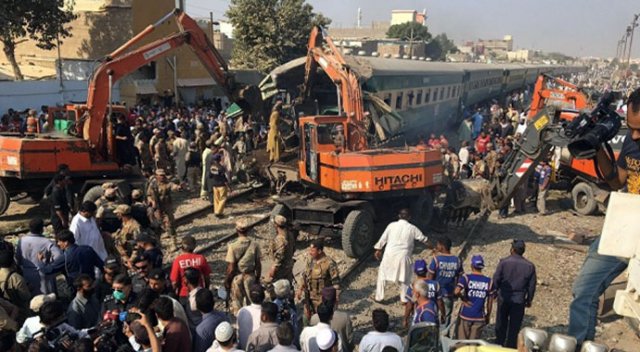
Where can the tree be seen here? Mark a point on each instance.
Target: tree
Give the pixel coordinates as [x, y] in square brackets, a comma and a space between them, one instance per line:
[409, 31]
[269, 33]
[438, 48]
[41, 20]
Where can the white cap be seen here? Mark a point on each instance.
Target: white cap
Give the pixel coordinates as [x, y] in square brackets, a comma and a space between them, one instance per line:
[282, 288]
[224, 332]
[325, 339]
[39, 300]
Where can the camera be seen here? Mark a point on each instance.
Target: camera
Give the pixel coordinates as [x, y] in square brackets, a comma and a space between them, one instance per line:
[59, 339]
[588, 131]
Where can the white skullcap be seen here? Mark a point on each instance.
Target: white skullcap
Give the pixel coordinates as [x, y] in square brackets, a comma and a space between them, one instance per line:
[325, 339]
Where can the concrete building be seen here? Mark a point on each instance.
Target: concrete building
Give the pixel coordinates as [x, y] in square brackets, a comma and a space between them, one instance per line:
[404, 16]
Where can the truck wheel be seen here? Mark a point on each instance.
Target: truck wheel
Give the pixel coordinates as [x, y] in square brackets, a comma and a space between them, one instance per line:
[357, 233]
[583, 199]
[93, 194]
[4, 199]
[422, 211]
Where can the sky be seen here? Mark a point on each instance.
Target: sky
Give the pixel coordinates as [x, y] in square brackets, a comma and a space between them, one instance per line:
[573, 27]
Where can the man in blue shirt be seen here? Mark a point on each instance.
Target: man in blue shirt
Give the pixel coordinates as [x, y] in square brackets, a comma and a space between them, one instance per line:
[476, 291]
[477, 119]
[515, 280]
[75, 260]
[445, 268]
[204, 335]
[424, 312]
[434, 294]
[27, 250]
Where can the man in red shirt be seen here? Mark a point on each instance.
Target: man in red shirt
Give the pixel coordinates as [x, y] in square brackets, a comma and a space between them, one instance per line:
[481, 142]
[188, 259]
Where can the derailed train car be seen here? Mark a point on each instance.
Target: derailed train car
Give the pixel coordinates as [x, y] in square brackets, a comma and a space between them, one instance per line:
[408, 98]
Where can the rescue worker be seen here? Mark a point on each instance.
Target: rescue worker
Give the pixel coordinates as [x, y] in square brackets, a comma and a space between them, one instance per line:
[243, 267]
[273, 137]
[445, 268]
[125, 236]
[105, 216]
[281, 249]
[139, 210]
[476, 292]
[159, 197]
[395, 266]
[434, 293]
[161, 155]
[320, 272]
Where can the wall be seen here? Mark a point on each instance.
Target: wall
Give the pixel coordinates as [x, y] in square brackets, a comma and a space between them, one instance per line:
[33, 94]
[400, 17]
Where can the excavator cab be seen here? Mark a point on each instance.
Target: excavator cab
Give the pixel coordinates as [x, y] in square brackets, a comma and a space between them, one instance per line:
[319, 135]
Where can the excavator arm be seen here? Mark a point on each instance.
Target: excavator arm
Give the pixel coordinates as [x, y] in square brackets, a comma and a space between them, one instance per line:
[348, 86]
[563, 95]
[122, 62]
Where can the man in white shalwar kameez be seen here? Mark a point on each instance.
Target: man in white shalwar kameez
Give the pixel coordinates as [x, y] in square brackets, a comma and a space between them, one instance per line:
[396, 264]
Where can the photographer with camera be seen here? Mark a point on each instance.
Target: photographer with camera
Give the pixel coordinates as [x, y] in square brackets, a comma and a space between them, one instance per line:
[55, 331]
[598, 271]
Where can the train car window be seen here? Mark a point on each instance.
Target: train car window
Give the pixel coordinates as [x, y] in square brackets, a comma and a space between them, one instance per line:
[427, 96]
[387, 99]
[410, 97]
[419, 97]
[454, 91]
[435, 94]
[441, 94]
[398, 101]
[448, 92]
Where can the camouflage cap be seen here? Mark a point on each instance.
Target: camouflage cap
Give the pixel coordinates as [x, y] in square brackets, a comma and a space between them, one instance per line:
[108, 185]
[242, 225]
[280, 220]
[123, 209]
[136, 194]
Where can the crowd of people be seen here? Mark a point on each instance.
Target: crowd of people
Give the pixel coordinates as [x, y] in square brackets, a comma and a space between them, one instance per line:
[103, 282]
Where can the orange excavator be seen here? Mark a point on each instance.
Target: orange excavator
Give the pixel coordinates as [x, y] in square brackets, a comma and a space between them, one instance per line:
[28, 161]
[352, 184]
[588, 192]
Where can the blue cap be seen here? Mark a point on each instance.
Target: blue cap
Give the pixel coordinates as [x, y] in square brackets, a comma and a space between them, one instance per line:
[420, 267]
[477, 261]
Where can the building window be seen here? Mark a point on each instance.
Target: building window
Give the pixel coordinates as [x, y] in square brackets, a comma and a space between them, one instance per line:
[419, 97]
[399, 101]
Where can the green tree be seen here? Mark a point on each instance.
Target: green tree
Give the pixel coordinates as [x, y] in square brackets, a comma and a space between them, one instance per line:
[438, 48]
[409, 31]
[40, 20]
[269, 33]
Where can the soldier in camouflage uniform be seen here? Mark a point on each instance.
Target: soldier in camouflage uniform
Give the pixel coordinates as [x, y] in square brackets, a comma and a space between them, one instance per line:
[321, 271]
[144, 150]
[126, 235]
[139, 210]
[161, 156]
[159, 197]
[491, 159]
[281, 249]
[243, 267]
[105, 217]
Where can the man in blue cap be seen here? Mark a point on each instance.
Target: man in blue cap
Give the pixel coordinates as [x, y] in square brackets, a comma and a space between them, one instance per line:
[515, 280]
[434, 294]
[476, 292]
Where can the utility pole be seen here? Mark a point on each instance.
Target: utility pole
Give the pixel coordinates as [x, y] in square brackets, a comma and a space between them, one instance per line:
[359, 17]
[624, 47]
[211, 25]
